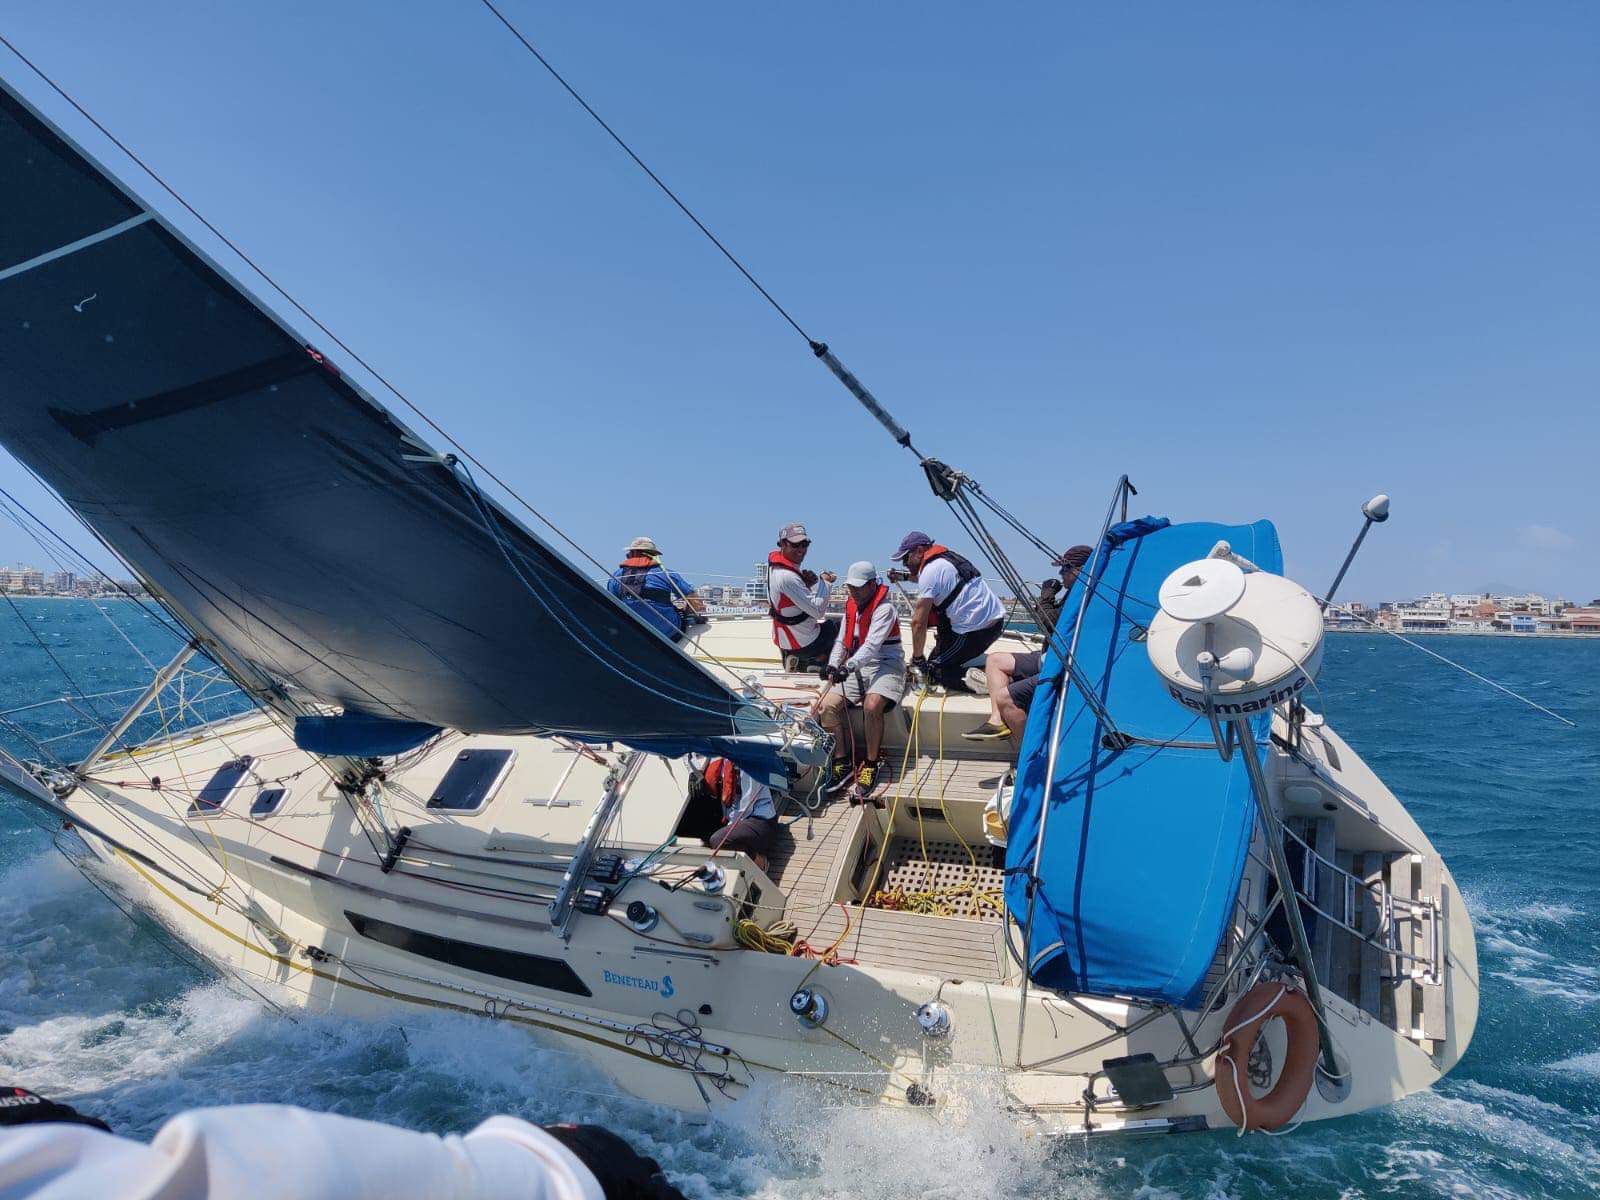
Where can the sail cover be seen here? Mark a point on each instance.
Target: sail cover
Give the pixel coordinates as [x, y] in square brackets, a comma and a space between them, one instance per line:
[281, 511]
[1144, 848]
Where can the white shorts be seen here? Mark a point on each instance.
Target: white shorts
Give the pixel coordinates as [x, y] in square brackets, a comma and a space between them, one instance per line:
[887, 678]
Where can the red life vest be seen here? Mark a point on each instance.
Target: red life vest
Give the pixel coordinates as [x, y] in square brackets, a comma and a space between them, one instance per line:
[722, 778]
[965, 573]
[786, 612]
[858, 620]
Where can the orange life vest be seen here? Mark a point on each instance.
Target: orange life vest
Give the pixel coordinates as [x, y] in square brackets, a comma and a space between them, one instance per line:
[858, 620]
[633, 571]
[722, 778]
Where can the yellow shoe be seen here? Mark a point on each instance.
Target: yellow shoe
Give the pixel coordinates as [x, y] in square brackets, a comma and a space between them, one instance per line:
[867, 778]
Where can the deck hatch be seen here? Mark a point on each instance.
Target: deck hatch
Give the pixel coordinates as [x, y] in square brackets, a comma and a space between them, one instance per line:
[267, 801]
[534, 969]
[214, 795]
[472, 780]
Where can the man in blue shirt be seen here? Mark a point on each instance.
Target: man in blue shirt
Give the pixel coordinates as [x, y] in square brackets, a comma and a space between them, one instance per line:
[663, 598]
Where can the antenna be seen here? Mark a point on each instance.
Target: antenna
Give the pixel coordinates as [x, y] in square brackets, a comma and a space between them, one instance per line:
[1376, 512]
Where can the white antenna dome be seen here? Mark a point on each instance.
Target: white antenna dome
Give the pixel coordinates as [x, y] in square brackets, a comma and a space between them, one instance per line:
[1258, 637]
[1201, 590]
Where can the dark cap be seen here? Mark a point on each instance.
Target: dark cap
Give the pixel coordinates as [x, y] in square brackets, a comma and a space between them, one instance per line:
[912, 541]
[1074, 558]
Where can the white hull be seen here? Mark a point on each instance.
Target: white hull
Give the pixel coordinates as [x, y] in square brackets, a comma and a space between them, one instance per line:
[683, 1016]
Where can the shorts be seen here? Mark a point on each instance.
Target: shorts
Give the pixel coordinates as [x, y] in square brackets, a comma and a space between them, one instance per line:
[1025, 679]
[753, 835]
[887, 678]
[952, 651]
[821, 646]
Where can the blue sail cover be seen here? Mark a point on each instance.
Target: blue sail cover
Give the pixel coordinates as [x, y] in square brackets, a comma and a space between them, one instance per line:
[286, 518]
[1144, 847]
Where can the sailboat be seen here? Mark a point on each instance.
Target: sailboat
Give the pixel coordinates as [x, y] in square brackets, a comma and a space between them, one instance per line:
[463, 778]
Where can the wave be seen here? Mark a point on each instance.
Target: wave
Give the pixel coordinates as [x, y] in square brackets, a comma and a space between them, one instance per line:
[1579, 1064]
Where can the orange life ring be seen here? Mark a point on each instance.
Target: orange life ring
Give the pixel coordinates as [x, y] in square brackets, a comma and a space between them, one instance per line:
[1253, 1010]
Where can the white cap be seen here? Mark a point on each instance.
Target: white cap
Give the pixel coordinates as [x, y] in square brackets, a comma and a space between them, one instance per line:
[861, 573]
[644, 545]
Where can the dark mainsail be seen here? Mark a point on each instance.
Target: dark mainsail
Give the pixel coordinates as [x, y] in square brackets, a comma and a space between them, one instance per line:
[281, 511]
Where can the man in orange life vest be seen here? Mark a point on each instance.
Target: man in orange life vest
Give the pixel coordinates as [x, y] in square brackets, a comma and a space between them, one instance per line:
[950, 590]
[749, 814]
[797, 602]
[665, 599]
[870, 664]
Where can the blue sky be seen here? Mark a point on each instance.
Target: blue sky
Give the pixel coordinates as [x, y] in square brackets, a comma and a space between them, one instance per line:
[1266, 258]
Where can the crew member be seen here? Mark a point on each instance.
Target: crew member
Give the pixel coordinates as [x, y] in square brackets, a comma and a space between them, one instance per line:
[277, 1151]
[663, 598]
[749, 815]
[797, 601]
[951, 592]
[1011, 679]
[870, 664]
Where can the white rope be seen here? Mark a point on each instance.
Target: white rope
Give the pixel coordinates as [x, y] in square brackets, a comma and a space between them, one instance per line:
[1244, 1111]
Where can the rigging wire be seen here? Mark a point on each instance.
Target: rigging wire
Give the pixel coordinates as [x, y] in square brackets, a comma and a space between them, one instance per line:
[654, 178]
[1500, 687]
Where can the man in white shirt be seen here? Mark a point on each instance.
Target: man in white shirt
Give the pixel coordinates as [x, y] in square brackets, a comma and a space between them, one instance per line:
[797, 601]
[869, 663]
[277, 1152]
[951, 593]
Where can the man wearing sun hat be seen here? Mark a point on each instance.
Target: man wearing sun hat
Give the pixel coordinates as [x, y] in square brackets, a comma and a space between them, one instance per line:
[665, 599]
[952, 594]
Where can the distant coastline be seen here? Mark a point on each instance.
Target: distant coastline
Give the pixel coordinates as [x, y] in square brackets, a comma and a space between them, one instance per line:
[1538, 635]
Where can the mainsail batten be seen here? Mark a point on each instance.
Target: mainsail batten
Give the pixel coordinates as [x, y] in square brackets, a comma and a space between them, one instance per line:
[285, 514]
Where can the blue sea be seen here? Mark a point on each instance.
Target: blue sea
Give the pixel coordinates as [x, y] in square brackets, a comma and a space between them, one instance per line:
[95, 1008]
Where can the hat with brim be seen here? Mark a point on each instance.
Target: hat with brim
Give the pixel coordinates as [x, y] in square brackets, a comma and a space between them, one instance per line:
[860, 574]
[794, 532]
[643, 545]
[914, 540]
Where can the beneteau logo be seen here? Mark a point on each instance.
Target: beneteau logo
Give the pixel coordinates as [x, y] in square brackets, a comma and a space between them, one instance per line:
[643, 983]
[1277, 696]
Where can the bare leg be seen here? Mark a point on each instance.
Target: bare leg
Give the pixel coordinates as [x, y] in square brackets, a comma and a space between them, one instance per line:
[873, 706]
[998, 669]
[1015, 718]
[829, 716]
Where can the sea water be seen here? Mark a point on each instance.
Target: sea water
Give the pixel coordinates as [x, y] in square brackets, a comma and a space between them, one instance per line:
[97, 1009]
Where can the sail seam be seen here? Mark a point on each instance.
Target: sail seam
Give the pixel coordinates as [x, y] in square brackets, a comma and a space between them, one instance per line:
[83, 243]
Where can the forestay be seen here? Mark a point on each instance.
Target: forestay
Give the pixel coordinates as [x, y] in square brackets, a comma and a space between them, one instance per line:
[284, 514]
[1145, 846]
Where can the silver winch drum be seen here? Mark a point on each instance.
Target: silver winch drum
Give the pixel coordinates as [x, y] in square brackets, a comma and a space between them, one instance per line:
[1263, 634]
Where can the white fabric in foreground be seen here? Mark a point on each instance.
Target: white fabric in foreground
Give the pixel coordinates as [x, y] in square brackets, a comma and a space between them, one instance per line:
[267, 1151]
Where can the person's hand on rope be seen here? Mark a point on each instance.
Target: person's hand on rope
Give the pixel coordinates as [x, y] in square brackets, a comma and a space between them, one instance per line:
[830, 577]
[833, 674]
[809, 578]
[622, 1172]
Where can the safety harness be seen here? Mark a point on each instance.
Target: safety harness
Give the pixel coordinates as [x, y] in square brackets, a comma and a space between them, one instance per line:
[636, 569]
[965, 573]
[786, 613]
